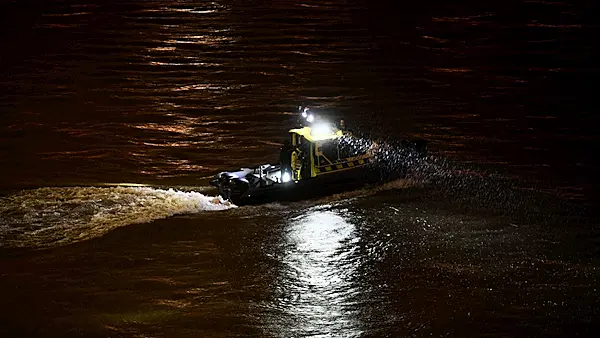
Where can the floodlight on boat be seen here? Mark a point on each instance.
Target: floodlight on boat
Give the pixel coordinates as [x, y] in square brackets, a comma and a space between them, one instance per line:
[321, 130]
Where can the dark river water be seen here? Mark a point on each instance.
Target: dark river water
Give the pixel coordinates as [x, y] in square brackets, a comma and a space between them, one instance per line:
[114, 115]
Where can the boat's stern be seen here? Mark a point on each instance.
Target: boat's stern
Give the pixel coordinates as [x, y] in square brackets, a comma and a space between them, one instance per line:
[232, 185]
[237, 186]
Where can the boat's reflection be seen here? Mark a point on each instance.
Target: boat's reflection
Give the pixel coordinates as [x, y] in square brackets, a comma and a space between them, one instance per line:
[315, 291]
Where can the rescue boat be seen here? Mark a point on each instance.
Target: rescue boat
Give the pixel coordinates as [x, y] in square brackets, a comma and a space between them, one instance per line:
[317, 158]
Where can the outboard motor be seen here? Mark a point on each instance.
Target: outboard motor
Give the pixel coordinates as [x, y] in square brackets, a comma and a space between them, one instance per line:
[232, 185]
[224, 185]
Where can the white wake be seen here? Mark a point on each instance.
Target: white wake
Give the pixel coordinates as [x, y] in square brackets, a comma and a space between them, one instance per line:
[57, 216]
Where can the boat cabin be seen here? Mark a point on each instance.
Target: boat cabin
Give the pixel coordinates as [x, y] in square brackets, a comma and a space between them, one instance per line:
[319, 150]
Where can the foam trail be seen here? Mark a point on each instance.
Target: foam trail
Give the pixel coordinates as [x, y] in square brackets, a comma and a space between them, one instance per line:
[49, 217]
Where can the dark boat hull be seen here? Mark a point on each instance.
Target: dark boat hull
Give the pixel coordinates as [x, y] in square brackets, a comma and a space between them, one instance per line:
[323, 185]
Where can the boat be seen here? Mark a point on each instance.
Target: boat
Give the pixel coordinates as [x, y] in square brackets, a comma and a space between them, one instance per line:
[317, 158]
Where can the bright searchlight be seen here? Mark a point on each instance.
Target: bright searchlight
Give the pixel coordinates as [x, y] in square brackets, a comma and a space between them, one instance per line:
[310, 118]
[305, 112]
[286, 177]
[321, 130]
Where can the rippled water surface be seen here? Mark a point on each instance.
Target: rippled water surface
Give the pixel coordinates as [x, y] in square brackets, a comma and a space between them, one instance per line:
[115, 114]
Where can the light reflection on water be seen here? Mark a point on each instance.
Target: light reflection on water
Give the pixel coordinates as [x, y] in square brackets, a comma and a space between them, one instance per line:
[315, 287]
